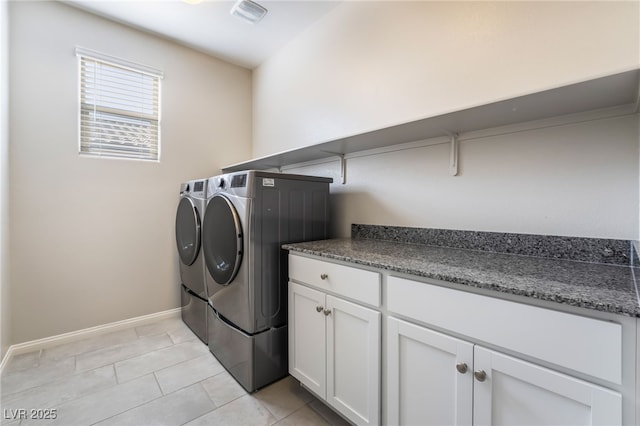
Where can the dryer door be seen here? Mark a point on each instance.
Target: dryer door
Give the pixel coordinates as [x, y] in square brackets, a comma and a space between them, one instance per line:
[187, 231]
[222, 239]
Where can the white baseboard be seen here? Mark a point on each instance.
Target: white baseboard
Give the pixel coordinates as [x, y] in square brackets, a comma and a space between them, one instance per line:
[73, 336]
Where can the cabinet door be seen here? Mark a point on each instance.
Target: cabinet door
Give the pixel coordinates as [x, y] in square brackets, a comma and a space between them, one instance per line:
[429, 376]
[516, 392]
[307, 347]
[353, 361]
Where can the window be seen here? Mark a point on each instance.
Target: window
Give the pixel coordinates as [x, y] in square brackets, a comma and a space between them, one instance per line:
[119, 108]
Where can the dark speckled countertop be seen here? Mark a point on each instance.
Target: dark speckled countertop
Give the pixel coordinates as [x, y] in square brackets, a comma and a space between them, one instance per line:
[599, 286]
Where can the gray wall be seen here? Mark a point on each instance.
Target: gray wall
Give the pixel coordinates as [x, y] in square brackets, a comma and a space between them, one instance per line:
[92, 240]
[578, 179]
[367, 65]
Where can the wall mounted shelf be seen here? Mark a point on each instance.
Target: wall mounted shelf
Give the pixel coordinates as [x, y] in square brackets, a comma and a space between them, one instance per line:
[622, 89]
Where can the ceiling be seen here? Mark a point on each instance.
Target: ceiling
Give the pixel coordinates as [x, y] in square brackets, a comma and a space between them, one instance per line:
[209, 27]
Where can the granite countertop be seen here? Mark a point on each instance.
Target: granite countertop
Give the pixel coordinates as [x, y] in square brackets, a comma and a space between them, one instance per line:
[598, 286]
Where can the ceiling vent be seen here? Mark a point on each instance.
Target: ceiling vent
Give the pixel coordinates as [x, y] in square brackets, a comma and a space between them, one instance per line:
[248, 11]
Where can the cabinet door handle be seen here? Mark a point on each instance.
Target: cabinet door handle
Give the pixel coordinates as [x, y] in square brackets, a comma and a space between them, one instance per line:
[319, 308]
[324, 276]
[461, 367]
[327, 312]
[480, 375]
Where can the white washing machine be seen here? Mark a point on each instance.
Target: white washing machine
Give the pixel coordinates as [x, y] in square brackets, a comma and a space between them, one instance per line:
[191, 209]
[248, 218]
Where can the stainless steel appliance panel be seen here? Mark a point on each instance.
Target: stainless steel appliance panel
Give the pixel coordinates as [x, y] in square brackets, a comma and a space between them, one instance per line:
[188, 226]
[194, 313]
[254, 361]
[246, 270]
[189, 214]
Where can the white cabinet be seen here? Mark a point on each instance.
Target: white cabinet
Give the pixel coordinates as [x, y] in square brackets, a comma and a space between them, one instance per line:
[517, 392]
[490, 362]
[307, 338]
[436, 379]
[424, 386]
[353, 361]
[587, 345]
[334, 344]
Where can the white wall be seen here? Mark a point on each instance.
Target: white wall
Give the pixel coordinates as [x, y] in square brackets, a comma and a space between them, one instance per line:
[5, 338]
[368, 65]
[575, 179]
[92, 240]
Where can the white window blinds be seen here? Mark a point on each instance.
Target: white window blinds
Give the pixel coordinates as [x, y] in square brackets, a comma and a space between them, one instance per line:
[119, 108]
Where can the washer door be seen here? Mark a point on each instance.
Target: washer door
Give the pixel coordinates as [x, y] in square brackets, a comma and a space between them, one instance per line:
[222, 239]
[187, 231]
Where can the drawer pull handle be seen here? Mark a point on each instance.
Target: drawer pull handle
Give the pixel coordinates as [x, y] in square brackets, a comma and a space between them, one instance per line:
[324, 276]
[480, 375]
[319, 308]
[461, 367]
[327, 312]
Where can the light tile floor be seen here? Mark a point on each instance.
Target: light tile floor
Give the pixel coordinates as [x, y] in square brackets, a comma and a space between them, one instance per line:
[156, 374]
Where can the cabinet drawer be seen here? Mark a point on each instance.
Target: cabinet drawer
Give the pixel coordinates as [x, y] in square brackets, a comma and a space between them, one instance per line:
[579, 343]
[353, 283]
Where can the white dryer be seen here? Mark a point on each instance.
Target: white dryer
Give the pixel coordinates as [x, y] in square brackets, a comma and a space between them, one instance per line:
[191, 208]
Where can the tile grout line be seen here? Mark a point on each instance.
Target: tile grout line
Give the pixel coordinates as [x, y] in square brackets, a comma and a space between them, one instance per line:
[129, 357]
[228, 402]
[101, 390]
[158, 383]
[75, 371]
[88, 333]
[215, 406]
[71, 375]
[51, 380]
[200, 383]
[7, 373]
[125, 343]
[308, 406]
[76, 355]
[154, 371]
[41, 352]
[162, 395]
[211, 399]
[115, 373]
[208, 396]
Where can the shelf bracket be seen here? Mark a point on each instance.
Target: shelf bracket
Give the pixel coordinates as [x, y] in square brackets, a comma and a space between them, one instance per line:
[343, 166]
[453, 159]
[343, 169]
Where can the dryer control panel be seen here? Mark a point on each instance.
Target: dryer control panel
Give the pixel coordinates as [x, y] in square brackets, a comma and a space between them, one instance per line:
[239, 181]
[196, 188]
